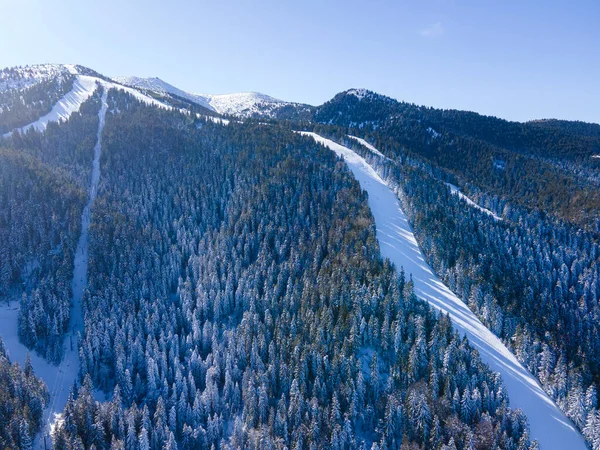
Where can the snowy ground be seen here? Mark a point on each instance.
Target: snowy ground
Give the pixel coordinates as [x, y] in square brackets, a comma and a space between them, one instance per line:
[59, 379]
[367, 145]
[397, 242]
[456, 191]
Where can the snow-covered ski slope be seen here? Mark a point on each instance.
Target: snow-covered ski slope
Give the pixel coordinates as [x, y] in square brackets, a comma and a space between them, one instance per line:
[60, 384]
[548, 424]
[364, 143]
[83, 87]
[454, 190]
[60, 379]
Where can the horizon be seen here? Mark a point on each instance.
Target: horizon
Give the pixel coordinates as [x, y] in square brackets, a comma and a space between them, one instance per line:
[510, 61]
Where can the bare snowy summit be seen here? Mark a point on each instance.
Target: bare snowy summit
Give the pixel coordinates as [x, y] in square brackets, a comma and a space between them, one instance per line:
[27, 76]
[242, 104]
[359, 93]
[162, 88]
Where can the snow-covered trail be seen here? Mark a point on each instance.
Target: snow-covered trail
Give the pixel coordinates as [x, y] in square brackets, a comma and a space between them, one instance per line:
[364, 143]
[548, 424]
[454, 190]
[81, 254]
[68, 370]
[59, 379]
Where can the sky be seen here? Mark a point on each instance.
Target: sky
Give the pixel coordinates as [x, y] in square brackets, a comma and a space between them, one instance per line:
[515, 59]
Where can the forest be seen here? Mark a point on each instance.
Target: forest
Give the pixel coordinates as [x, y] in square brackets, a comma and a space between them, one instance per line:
[244, 304]
[23, 397]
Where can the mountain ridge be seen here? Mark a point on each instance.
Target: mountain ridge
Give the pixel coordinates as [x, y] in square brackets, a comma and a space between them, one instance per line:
[248, 104]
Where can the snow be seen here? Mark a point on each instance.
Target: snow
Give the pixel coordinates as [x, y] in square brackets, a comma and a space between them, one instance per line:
[366, 144]
[397, 242]
[244, 104]
[72, 69]
[359, 93]
[433, 133]
[454, 190]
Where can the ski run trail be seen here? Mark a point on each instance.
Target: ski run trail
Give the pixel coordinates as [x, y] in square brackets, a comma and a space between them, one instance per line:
[454, 190]
[552, 429]
[59, 379]
[69, 366]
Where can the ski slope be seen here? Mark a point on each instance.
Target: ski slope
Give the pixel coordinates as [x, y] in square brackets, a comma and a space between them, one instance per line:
[548, 424]
[454, 190]
[364, 143]
[60, 379]
[83, 87]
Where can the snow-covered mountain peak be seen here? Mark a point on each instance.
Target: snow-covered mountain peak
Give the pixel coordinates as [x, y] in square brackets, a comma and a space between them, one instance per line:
[22, 77]
[242, 104]
[360, 93]
[162, 88]
[153, 84]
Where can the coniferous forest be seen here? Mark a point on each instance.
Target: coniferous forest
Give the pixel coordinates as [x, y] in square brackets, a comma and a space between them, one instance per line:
[23, 397]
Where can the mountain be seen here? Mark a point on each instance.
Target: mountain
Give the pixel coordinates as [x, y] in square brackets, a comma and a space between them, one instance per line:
[492, 155]
[233, 283]
[162, 88]
[242, 105]
[35, 96]
[25, 77]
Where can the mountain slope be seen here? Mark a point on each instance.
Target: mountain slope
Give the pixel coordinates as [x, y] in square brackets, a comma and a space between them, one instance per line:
[548, 166]
[84, 82]
[162, 88]
[548, 424]
[28, 76]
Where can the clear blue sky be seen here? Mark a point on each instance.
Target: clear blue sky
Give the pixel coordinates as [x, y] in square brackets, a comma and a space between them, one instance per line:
[517, 59]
